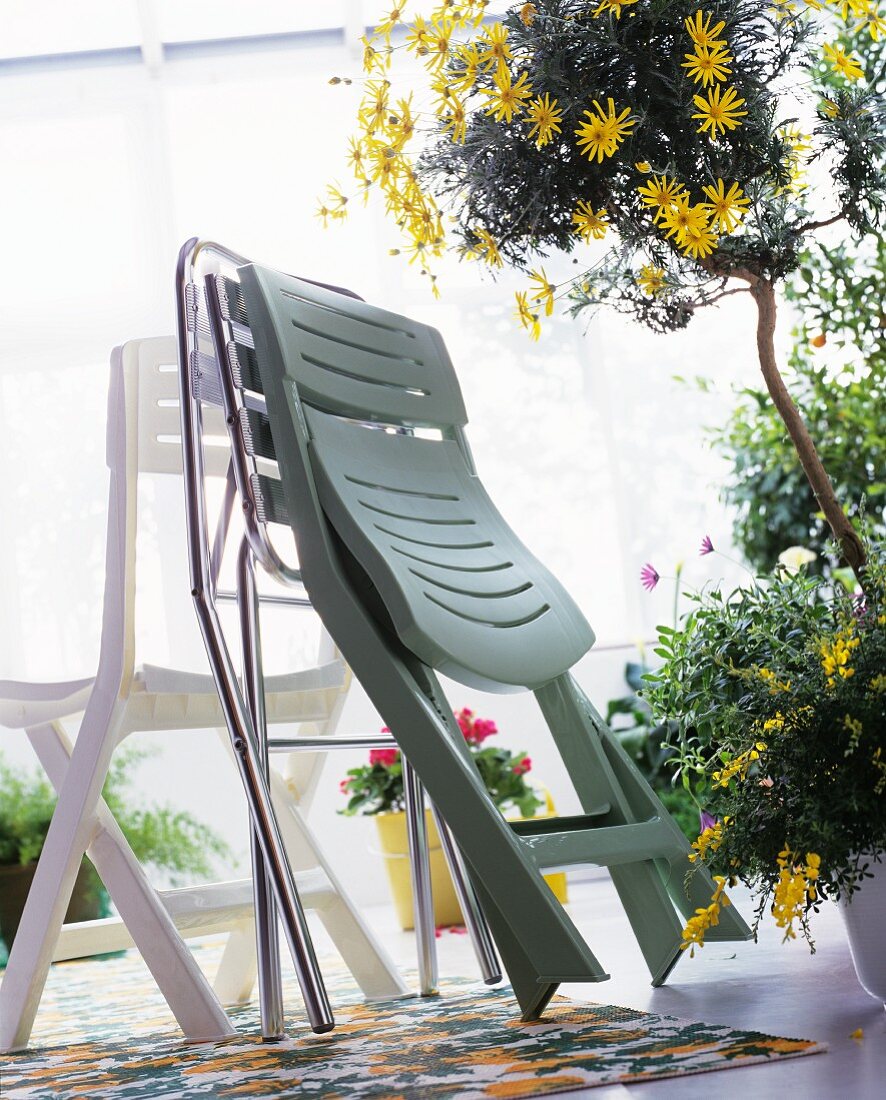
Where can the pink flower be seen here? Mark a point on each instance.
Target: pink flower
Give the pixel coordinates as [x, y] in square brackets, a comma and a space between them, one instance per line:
[649, 577]
[465, 719]
[522, 766]
[385, 757]
[483, 728]
[475, 730]
[707, 547]
[343, 786]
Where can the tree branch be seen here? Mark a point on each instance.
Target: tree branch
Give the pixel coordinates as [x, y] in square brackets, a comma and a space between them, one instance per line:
[744, 273]
[807, 226]
[725, 294]
[822, 487]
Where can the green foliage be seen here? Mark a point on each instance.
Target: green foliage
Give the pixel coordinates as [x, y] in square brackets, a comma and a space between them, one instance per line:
[377, 787]
[374, 788]
[839, 294]
[498, 181]
[777, 692]
[162, 837]
[26, 806]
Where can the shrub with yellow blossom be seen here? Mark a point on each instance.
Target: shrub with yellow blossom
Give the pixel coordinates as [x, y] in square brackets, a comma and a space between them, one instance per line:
[775, 701]
[664, 129]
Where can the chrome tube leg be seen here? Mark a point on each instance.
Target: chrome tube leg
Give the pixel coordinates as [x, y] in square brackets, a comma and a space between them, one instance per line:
[420, 865]
[478, 929]
[270, 983]
[237, 717]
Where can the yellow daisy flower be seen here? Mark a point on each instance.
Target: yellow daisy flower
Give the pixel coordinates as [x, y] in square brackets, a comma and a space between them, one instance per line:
[726, 208]
[708, 64]
[497, 52]
[651, 280]
[545, 291]
[843, 63]
[614, 6]
[418, 37]
[699, 242]
[456, 121]
[588, 223]
[700, 30]
[660, 193]
[603, 132]
[507, 99]
[545, 117]
[719, 112]
[469, 57]
[680, 217]
[525, 316]
[485, 248]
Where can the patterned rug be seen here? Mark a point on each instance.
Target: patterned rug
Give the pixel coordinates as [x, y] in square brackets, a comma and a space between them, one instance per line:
[104, 1032]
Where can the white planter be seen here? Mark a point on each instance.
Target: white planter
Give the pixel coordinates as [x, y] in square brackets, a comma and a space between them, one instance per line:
[865, 919]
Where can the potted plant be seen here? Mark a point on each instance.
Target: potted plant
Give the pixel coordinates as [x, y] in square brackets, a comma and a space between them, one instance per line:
[680, 132]
[376, 789]
[777, 697]
[161, 836]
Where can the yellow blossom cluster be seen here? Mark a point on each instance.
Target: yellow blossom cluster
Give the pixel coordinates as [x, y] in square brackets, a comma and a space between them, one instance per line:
[738, 766]
[836, 652]
[798, 151]
[854, 728]
[703, 919]
[794, 890]
[880, 765]
[709, 841]
[465, 57]
[694, 227]
[775, 685]
[720, 109]
[379, 153]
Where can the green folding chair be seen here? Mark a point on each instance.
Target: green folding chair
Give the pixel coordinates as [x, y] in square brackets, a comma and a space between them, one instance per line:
[414, 572]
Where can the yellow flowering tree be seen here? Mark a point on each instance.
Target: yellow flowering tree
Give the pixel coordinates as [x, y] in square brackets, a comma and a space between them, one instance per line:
[681, 132]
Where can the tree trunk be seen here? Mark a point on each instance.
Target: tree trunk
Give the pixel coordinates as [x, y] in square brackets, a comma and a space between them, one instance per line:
[844, 532]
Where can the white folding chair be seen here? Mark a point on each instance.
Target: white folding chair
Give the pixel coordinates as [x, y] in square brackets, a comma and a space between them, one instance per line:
[144, 438]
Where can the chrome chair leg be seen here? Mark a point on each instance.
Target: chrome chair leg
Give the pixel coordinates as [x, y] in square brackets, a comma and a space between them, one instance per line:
[475, 921]
[270, 983]
[423, 902]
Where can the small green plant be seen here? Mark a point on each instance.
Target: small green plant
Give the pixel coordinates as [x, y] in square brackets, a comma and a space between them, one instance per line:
[377, 787]
[160, 836]
[776, 695]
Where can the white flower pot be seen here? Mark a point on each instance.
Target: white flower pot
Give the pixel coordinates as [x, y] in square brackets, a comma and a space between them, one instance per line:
[864, 916]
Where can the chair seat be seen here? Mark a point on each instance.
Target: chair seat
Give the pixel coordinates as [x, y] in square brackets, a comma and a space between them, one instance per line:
[463, 592]
[31, 703]
[158, 680]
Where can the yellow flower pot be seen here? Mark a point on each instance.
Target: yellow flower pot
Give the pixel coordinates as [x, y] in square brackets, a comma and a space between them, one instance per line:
[395, 851]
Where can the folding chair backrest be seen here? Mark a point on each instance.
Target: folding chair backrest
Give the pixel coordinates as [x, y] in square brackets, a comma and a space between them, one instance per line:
[152, 412]
[363, 386]
[144, 438]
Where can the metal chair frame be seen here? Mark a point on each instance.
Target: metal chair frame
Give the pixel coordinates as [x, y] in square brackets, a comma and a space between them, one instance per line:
[210, 373]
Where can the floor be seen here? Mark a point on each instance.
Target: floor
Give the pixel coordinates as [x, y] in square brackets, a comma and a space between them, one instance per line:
[768, 986]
